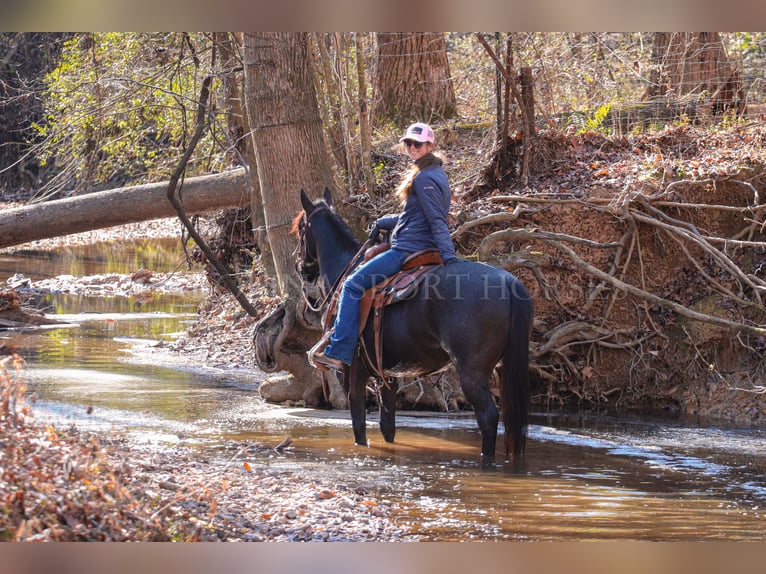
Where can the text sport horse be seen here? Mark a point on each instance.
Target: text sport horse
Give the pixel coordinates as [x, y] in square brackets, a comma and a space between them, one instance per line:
[466, 313]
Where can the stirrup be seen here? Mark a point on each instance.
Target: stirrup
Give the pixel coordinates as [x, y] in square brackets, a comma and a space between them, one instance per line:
[318, 347]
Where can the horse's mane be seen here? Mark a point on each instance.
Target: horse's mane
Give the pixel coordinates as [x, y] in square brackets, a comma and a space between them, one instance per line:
[331, 212]
[297, 223]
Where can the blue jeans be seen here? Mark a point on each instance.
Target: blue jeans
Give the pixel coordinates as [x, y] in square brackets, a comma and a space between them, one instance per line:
[346, 329]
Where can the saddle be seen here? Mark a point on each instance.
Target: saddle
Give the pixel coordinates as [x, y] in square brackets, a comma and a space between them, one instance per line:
[399, 287]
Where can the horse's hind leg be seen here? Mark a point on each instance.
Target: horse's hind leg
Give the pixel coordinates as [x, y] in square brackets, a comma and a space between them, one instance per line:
[388, 410]
[476, 391]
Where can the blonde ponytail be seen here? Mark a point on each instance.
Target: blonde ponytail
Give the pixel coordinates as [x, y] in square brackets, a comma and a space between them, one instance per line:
[405, 187]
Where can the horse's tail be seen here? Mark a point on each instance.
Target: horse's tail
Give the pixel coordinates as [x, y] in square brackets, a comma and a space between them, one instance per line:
[515, 381]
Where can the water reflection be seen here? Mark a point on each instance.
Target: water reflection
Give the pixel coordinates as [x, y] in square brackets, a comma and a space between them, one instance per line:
[162, 255]
[561, 491]
[578, 489]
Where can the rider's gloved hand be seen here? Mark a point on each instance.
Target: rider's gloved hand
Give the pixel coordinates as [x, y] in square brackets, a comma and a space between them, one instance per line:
[374, 235]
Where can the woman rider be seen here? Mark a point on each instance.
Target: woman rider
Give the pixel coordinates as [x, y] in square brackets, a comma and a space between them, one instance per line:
[422, 224]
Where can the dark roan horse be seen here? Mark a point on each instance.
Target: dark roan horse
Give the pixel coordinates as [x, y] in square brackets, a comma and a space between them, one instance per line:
[465, 313]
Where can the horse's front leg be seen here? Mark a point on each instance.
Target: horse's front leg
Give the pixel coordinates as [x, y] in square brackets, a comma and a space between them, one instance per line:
[388, 409]
[357, 398]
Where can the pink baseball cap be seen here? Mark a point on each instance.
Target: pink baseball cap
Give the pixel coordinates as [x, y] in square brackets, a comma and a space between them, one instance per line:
[419, 132]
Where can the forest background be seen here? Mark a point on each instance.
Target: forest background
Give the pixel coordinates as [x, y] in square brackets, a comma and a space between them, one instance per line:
[619, 174]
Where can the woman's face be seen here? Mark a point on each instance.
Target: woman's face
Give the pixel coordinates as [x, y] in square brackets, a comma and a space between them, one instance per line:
[416, 153]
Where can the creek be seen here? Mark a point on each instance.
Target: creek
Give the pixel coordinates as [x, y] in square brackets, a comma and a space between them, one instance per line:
[585, 476]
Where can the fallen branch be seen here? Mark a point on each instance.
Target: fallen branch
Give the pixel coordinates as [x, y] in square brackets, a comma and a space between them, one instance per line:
[486, 245]
[495, 218]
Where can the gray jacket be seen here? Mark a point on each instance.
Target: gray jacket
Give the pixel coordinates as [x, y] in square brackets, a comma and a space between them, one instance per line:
[423, 223]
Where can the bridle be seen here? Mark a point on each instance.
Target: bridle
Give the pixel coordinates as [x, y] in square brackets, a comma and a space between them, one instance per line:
[307, 269]
[302, 263]
[307, 265]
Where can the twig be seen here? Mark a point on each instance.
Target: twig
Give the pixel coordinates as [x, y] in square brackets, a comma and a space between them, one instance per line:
[232, 459]
[701, 242]
[708, 278]
[202, 112]
[541, 198]
[613, 266]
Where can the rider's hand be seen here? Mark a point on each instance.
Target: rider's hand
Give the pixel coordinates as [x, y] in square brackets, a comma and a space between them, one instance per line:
[374, 235]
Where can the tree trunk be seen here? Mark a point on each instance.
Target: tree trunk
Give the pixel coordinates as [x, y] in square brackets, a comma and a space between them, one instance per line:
[527, 82]
[287, 137]
[118, 207]
[413, 80]
[291, 155]
[685, 63]
[242, 152]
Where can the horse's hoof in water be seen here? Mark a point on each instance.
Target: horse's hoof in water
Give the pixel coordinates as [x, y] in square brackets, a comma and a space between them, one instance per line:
[515, 464]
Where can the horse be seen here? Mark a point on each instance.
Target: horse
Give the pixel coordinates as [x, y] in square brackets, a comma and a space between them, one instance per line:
[466, 313]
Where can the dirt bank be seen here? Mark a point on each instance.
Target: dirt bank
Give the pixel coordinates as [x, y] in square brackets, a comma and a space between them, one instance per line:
[645, 255]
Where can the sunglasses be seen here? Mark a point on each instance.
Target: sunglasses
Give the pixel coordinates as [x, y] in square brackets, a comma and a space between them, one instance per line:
[411, 143]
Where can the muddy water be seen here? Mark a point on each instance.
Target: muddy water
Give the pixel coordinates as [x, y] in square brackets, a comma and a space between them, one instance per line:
[584, 477]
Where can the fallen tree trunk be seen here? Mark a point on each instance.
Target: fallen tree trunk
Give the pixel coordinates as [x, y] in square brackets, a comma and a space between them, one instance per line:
[120, 206]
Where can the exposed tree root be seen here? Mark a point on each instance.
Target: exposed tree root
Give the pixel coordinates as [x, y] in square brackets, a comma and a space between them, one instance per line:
[723, 265]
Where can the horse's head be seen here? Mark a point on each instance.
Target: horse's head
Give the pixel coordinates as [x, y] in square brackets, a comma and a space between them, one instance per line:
[306, 258]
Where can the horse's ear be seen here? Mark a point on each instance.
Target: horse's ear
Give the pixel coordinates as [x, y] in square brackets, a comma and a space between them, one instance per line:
[327, 196]
[308, 207]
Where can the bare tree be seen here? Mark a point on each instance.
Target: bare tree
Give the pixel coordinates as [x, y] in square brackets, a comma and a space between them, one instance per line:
[413, 78]
[365, 138]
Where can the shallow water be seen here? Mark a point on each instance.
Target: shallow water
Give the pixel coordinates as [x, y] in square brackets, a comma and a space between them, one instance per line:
[583, 478]
[80, 260]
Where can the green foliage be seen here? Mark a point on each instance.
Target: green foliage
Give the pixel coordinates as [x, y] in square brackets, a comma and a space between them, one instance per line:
[118, 108]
